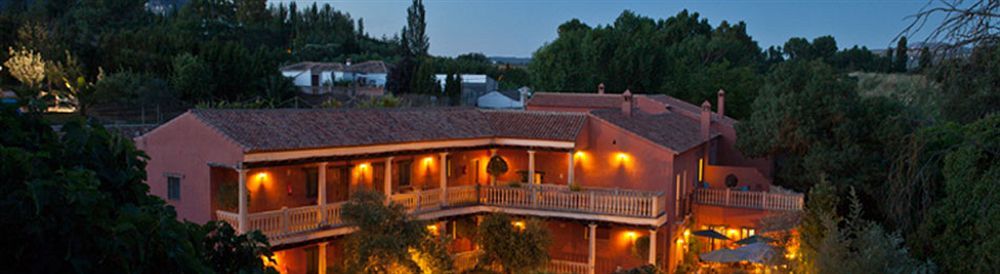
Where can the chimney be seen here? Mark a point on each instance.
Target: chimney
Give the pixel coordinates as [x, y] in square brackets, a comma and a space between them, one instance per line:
[627, 103]
[722, 103]
[600, 88]
[706, 119]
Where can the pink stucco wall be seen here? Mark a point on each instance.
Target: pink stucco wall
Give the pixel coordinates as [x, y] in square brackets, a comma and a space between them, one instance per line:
[184, 147]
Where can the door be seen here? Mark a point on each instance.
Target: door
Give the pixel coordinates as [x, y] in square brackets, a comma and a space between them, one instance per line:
[337, 184]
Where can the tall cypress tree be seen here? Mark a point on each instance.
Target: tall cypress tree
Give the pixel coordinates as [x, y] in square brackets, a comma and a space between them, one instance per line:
[415, 32]
[901, 55]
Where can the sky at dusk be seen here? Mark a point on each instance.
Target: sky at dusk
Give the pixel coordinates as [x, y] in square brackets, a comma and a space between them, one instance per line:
[519, 27]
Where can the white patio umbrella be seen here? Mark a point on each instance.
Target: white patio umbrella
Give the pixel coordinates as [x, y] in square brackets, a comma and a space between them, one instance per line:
[724, 255]
[756, 252]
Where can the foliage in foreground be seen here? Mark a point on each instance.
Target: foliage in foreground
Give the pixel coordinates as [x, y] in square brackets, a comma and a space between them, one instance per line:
[832, 243]
[519, 248]
[387, 240]
[75, 201]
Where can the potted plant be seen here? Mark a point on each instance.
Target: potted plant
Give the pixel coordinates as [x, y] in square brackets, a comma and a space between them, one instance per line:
[496, 167]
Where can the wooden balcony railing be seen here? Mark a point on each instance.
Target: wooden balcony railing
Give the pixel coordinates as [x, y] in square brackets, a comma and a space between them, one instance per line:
[467, 260]
[749, 199]
[278, 224]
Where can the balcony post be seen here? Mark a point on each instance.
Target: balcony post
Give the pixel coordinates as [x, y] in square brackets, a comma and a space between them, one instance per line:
[591, 247]
[569, 169]
[321, 200]
[388, 180]
[322, 257]
[443, 166]
[242, 219]
[652, 246]
[531, 167]
[493, 179]
[727, 197]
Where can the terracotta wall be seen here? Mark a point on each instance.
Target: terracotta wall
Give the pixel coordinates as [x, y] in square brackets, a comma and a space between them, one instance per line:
[554, 165]
[184, 147]
[686, 170]
[729, 216]
[614, 157]
[293, 260]
[746, 176]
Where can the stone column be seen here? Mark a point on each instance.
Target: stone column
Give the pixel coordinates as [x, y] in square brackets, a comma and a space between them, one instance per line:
[322, 257]
[388, 179]
[569, 170]
[592, 248]
[652, 246]
[321, 184]
[531, 167]
[242, 220]
[493, 179]
[443, 166]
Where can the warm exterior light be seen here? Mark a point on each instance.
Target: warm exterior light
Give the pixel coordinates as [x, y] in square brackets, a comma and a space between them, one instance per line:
[701, 170]
[363, 166]
[518, 224]
[631, 235]
[731, 233]
[261, 176]
[621, 156]
[687, 233]
[680, 241]
[433, 229]
[578, 154]
[428, 160]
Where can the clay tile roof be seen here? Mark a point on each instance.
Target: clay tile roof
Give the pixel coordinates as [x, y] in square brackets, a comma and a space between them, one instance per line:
[671, 130]
[314, 66]
[561, 126]
[578, 100]
[369, 67]
[292, 129]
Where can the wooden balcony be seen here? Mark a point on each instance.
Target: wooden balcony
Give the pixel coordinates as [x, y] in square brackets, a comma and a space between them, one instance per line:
[749, 199]
[467, 260]
[281, 226]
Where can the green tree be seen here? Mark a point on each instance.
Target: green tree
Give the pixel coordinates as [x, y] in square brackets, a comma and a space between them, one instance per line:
[387, 240]
[959, 232]
[415, 32]
[453, 88]
[75, 201]
[835, 244]
[192, 78]
[926, 59]
[519, 247]
[423, 81]
[902, 55]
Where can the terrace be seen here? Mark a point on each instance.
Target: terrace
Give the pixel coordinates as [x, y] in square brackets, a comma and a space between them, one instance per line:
[288, 225]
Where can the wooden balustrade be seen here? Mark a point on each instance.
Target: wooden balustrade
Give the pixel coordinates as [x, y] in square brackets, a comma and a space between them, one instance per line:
[749, 199]
[277, 224]
[599, 201]
[463, 195]
[567, 267]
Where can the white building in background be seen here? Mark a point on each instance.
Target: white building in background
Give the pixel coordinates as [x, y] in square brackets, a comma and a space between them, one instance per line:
[507, 99]
[319, 78]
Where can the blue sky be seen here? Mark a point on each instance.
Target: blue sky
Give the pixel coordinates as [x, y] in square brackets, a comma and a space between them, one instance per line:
[519, 27]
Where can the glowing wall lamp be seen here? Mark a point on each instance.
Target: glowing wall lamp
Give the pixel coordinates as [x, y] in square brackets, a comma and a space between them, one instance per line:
[518, 225]
[631, 236]
[433, 229]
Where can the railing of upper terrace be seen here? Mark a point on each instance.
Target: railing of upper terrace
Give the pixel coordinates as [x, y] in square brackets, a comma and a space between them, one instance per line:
[279, 224]
[749, 199]
[464, 261]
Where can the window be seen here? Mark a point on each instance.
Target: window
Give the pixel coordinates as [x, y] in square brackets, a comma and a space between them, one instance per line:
[448, 166]
[312, 182]
[378, 174]
[701, 170]
[173, 188]
[404, 173]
